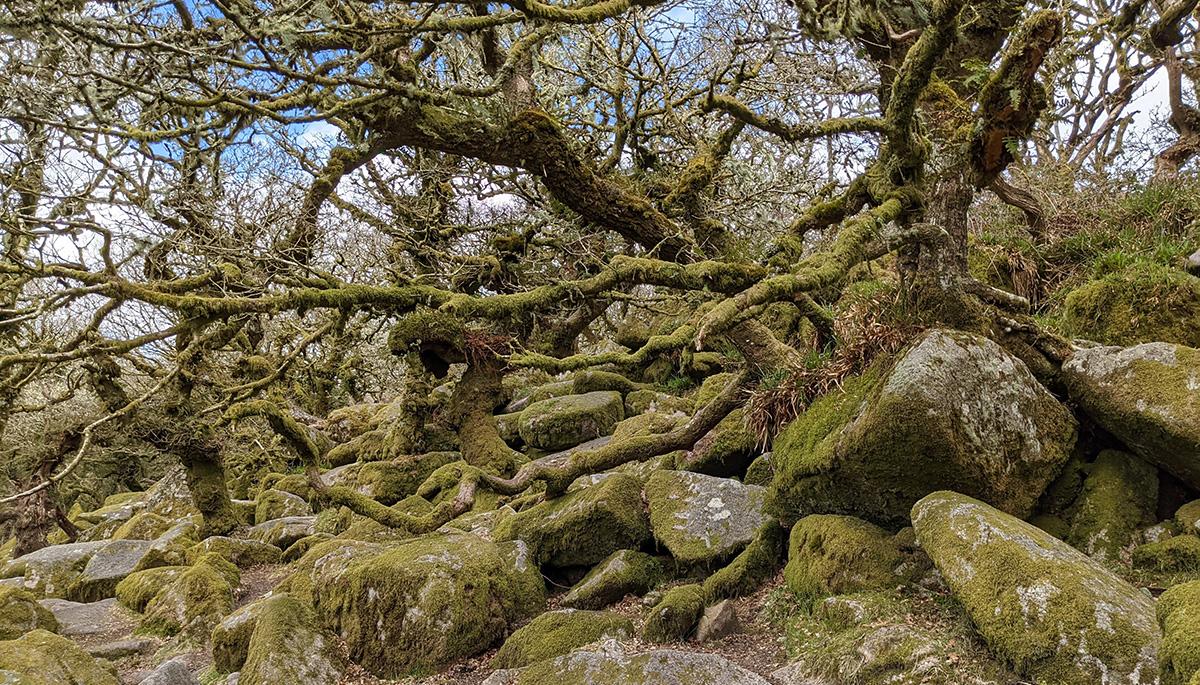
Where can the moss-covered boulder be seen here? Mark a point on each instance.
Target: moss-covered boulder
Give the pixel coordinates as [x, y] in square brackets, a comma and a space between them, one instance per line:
[583, 382]
[1187, 517]
[50, 571]
[624, 572]
[138, 588]
[608, 663]
[727, 450]
[21, 613]
[1172, 555]
[703, 519]
[195, 601]
[107, 567]
[144, 525]
[642, 401]
[43, 658]
[1119, 499]
[830, 554]
[647, 424]
[953, 411]
[239, 552]
[1147, 396]
[418, 605]
[1178, 612]
[1053, 612]
[282, 533]
[289, 646]
[276, 504]
[550, 390]
[231, 637]
[1148, 303]
[583, 527]
[171, 497]
[760, 471]
[563, 422]
[675, 617]
[559, 632]
[509, 426]
[751, 568]
[389, 481]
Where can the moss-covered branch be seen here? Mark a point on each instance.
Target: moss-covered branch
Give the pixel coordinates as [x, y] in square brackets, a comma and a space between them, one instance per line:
[795, 133]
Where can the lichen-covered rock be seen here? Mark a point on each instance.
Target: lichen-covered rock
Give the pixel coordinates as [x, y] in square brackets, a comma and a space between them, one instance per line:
[420, 604]
[751, 568]
[703, 519]
[896, 654]
[90, 618]
[144, 525]
[288, 646]
[276, 504]
[231, 637]
[509, 426]
[583, 527]
[282, 533]
[1178, 613]
[1169, 556]
[624, 572]
[1147, 303]
[171, 497]
[608, 664]
[171, 673]
[21, 613]
[676, 616]
[559, 632]
[323, 565]
[642, 401]
[138, 588]
[528, 585]
[954, 411]
[241, 553]
[44, 658]
[830, 554]
[563, 422]
[50, 571]
[549, 391]
[107, 567]
[1119, 498]
[1056, 614]
[195, 601]
[1148, 396]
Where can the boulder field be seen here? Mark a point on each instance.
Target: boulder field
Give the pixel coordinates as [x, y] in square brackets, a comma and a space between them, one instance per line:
[940, 518]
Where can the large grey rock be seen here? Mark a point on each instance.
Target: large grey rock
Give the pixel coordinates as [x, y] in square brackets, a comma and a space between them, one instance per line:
[91, 618]
[289, 646]
[285, 531]
[276, 504]
[43, 658]
[953, 411]
[107, 567]
[171, 497]
[50, 571]
[171, 673]
[1052, 611]
[562, 422]
[1148, 396]
[609, 664]
[624, 572]
[703, 519]
[119, 649]
[582, 527]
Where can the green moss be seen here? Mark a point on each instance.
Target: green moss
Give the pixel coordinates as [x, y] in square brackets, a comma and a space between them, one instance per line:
[275, 504]
[139, 587]
[551, 390]
[144, 525]
[319, 563]
[564, 422]
[1052, 612]
[421, 604]
[841, 554]
[726, 450]
[676, 616]
[711, 387]
[242, 553]
[391, 481]
[559, 632]
[749, 570]
[1052, 524]
[21, 613]
[52, 660]
[288, 646]
[583, 527]
[195, 601]
[1178, 613]
[650, 423]
[593, 381]
[1118, 500]
[624, 572]
[760, 471]
[641, 401]
[426, 329]
[1188, 517]
[231, 637]
[1172, 555]
[1146, 303]
[300, 547]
